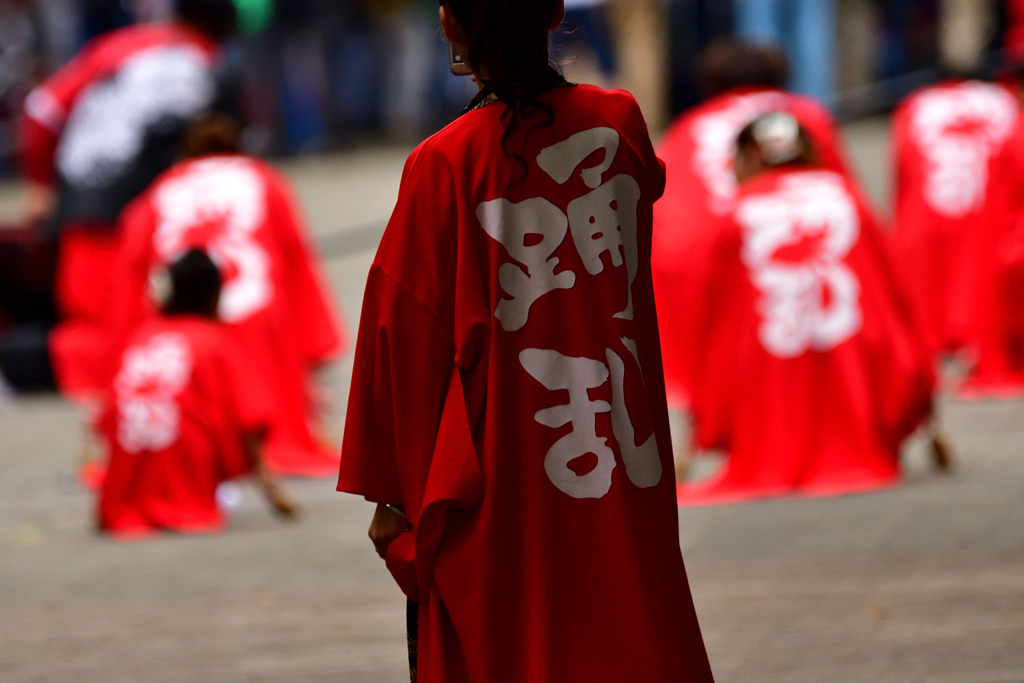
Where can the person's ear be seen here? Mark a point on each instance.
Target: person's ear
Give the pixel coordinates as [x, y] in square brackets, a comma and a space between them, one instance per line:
[559, 16]
[451, 28]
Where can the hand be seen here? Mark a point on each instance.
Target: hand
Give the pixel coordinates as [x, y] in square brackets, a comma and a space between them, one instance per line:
[282, 505]
[387, 525]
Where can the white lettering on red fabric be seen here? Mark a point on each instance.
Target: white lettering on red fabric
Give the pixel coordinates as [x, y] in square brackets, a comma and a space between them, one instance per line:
[604, 220]
[958, 129]
[530, 231]
[152, 376]
[154, 89]
[794, 241]
[219, 204]
[577, 376]
[561, 160]
[643, 462]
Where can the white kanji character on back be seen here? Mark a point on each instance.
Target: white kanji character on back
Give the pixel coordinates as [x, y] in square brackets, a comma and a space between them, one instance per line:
[575, 375]
[530, 231]
[604, 220]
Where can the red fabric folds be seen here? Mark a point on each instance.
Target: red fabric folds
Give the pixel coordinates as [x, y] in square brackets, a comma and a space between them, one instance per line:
[813, 371]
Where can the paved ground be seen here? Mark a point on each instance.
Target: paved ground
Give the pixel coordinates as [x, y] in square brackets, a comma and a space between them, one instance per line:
[924, 583]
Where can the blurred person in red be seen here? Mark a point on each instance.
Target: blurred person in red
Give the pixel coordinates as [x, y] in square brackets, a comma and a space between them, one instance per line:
[274, 303]
[946, 138]
[183, 414]
[507, 411]
[995, 278]
[741, 82]
[93, 137]
[812, 372]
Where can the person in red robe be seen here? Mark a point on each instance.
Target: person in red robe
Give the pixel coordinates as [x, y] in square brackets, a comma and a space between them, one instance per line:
[94, 136]
[813, 372]
[946, 138]
[507, 411]
[741, 82]
[183, 415]
[274, 303]
[995, 257]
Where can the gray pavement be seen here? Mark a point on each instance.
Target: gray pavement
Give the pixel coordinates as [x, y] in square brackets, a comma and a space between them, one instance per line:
[921, 583]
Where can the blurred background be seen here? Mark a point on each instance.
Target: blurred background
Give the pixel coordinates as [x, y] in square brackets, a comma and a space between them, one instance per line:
[921, 583]
[327, 74]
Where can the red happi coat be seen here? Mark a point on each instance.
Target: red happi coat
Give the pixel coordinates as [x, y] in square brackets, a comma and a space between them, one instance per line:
[508, 393]
[946, 138]
[996, 254]
[813, 373]
[177, 414]
[99, 131]
[698, 150]
[273, 301]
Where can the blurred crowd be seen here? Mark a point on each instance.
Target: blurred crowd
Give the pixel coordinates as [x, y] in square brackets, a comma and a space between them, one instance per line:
[315, 74]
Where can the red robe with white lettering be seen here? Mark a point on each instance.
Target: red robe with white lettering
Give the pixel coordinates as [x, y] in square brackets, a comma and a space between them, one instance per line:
[508, 394]
[99, 131]
[698, 150]
[946, 138]
[996, 255]
[241, 211]
[177, 415]
[812, 372]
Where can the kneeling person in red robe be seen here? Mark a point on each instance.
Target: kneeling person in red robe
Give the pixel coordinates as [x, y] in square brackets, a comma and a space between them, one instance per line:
[812, 370]
[182, 417]
[274, 303]
[741, 82]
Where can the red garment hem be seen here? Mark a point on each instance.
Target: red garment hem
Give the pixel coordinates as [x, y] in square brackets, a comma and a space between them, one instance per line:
[700, 494]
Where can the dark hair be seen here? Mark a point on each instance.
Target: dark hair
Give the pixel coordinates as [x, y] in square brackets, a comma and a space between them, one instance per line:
[507, 45]
[212, 133]
[728, 64]
[218, 19]
[195, 284]
[797, 150]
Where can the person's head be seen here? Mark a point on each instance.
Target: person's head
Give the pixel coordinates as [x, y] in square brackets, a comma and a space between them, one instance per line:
[729, 64]
[504, 42]
[212, 133]
[217, 19]
[772, 140]
[194, 284]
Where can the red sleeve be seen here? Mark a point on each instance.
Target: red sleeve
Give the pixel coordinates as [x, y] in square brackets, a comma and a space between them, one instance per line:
[46, 111]
[405, 351]
[722, 322]
[130, 303]
[640, 137]
[404, 359]
[903, 399]
[318, 328]
[250, 395]
[240, 400]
